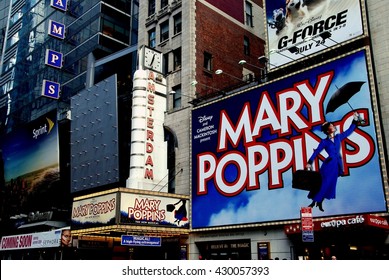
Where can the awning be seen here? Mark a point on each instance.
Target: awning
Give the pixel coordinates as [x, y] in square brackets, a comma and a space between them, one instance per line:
[55, 224]
[132, 229]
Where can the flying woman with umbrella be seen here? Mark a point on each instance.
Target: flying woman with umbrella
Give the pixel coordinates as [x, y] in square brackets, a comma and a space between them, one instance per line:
[332, 166]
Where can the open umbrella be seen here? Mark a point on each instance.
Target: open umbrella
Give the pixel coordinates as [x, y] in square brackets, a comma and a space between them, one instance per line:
[342, 95]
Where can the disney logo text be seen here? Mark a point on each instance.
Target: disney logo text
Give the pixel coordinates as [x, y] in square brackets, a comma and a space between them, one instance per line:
[205, 118]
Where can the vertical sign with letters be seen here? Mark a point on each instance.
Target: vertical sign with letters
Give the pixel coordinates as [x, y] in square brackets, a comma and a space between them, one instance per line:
[57, 29]
[50, 89]
[307, 224]
[54, 58]
[59, 4]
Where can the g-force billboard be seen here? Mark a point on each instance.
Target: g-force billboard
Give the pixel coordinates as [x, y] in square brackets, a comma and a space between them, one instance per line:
[298, 28]
[245, 148]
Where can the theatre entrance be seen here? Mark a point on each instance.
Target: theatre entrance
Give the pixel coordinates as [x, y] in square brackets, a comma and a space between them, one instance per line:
[225, 249]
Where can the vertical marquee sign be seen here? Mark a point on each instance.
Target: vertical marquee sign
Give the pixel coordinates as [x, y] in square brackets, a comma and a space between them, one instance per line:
[50, 89]
[148, 164]
[307, 224]
[53, 58]
[56, 29]
[59, 4]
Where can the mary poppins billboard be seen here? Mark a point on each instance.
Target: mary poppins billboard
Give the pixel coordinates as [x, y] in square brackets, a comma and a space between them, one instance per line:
[246, 148]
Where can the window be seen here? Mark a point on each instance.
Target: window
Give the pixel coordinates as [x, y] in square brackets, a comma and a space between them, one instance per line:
[152, 42]
[166, 63]
[177, 24]
[107, 27]
[249, 14]
[246, 45]
[176, 97]
[164, 3]
[177, 59]
[208, 61]
[151, 7]
[164, 31]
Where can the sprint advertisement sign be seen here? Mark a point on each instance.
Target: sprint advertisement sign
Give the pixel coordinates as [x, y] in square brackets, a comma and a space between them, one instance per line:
[31, 164]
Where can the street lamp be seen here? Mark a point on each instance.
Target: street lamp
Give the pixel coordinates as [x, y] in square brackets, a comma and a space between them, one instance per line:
[192, 100]
[262, 72]
[173, 92]
[219, 72]
[194, 83]
[273, 51]
[242, 62]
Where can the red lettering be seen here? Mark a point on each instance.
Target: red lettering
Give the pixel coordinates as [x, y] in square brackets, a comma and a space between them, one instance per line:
[150, 87]
[150, 123]
[150, 135]
[151, 76]
[149, 161]
[151, 110]
[9, 242]
[149, 174]
[151, 98]
[25, 241]
[149, 148]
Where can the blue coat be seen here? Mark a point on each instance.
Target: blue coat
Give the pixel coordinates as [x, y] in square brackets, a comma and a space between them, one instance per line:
[332, 166]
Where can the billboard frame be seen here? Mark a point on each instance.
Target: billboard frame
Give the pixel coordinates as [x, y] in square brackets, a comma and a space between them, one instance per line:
[304, 42]
[378, 139]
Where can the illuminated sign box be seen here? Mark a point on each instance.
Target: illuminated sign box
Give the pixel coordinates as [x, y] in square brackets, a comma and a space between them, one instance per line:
[307, 224]
[53, 58]
[339, 223]
[144, 241]
[50, 89]
[94, 212]
[136, 209]
[59, 4]
[56, 29]
[142, 209]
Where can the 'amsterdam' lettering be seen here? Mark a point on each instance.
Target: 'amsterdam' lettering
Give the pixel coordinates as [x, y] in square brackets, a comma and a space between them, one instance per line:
[149, 163]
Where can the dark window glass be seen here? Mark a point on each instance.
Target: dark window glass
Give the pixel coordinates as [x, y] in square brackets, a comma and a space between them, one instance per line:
[151, 7]
[208, 61]
[164, 31]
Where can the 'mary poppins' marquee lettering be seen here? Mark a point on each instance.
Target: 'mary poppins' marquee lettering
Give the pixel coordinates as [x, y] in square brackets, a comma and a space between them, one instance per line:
[290, 103]
[93, 209]
[147, 209]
